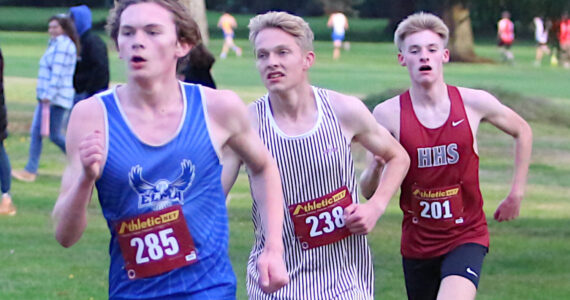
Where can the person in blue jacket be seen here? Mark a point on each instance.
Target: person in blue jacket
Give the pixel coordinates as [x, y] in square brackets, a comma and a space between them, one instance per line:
[92, 69]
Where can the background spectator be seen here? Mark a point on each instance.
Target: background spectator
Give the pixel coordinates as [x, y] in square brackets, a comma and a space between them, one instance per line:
[196, 68]
[506, 36]
[227, 23]
[92, 68]
[54, 90]
[541, 36]
[6, 207]
[564, 39]
[339, 24]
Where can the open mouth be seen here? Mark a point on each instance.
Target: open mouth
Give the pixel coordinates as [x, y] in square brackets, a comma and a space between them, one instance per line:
[137, 59]
[425, 68]
[274, 75]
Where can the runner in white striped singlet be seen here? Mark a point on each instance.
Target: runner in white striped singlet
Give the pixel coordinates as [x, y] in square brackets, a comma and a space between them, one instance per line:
[309, 131]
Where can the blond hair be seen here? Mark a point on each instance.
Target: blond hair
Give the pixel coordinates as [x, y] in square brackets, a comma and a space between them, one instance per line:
[419, 22]
[187, 30]
[293, 25]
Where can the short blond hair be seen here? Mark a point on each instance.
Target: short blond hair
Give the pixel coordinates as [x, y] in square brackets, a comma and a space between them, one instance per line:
[419, 22]
[293, 25]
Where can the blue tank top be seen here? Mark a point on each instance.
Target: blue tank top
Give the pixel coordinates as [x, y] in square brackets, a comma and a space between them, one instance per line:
[185, 171]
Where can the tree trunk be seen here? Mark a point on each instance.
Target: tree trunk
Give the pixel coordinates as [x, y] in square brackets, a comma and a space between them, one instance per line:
[399, 10]
[461, 44]
[197, 10]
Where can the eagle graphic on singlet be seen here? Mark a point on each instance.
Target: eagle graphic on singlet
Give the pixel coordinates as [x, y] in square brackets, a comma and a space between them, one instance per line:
[163, 193]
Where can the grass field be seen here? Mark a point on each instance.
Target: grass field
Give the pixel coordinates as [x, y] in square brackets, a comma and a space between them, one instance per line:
[528, 257]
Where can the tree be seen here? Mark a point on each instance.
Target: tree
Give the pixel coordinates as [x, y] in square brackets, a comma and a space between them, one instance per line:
[344, 6]
[197, 10]
[461, 44]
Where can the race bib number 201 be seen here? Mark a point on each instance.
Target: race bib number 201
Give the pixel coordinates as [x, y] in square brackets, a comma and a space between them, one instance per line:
[155, 243]
[320, 221]
[437, 207]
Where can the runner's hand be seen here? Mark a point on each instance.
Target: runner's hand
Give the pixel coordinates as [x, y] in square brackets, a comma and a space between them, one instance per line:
[361, 218]
[272, 271]
[91, 154]
[508, 209]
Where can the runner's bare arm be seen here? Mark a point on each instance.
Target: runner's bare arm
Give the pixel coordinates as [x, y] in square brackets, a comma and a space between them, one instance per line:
[386, 114]
[370, 177]
[231, 161]
[504, 118]
[230, 116]
[231, 164]
[85, 150]
[359, 125]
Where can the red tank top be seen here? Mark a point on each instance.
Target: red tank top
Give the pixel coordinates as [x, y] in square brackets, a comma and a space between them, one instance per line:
[440, 196]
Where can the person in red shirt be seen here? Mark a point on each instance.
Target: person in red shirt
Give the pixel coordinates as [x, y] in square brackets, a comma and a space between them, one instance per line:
[564, 38]
[506, 36]
[444, 230]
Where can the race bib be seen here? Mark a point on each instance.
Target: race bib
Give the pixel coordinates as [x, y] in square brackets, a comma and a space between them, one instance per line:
[155, 243]
[437, 207]
[320, 221]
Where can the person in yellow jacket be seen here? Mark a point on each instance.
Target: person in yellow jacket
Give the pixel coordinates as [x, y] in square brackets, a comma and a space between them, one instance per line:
[227, 23]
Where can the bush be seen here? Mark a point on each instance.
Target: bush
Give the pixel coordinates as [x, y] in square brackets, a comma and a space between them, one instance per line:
[374, 99]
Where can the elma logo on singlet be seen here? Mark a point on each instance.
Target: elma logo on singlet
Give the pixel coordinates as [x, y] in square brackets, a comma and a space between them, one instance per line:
[162, 193]
[438, 156]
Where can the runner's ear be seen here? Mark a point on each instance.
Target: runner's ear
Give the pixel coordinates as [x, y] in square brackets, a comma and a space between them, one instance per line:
[445, 55]
[183, 48]
[401, 60]
[309, 60]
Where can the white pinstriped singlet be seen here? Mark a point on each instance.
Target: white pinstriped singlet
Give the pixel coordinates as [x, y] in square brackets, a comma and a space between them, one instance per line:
[312, 165]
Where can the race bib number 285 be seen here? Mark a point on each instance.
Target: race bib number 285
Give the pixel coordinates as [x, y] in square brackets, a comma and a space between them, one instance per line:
[320, 221]
[155, 243]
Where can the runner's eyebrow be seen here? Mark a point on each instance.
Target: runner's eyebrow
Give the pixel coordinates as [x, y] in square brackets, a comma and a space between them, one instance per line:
[146, 26]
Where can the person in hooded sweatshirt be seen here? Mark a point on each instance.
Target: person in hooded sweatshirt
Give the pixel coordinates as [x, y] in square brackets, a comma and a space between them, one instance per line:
[92, 69]
[198, 65]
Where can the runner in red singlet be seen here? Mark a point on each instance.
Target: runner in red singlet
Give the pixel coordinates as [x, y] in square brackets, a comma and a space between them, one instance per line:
[444, 230]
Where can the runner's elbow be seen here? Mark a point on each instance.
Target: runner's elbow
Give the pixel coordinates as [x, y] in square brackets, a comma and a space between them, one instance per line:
[366, 190]
[65, 241]
[67, 237]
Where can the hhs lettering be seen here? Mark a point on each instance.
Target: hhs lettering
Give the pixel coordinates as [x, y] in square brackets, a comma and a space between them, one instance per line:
[438, 156]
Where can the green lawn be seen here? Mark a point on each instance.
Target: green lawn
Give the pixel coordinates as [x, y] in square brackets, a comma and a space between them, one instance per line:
[528, 257]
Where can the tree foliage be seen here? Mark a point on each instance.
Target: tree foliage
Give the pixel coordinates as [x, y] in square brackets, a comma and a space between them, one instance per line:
[299, 7]
[484, 14]
[59, 3]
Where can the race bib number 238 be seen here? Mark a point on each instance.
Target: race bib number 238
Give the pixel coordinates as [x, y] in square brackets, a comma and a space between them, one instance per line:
[320, 221]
